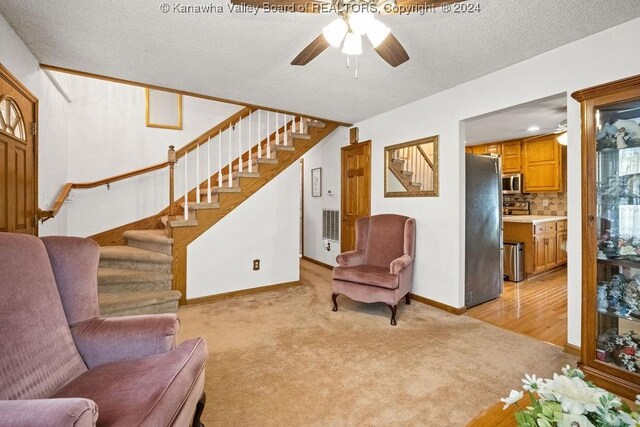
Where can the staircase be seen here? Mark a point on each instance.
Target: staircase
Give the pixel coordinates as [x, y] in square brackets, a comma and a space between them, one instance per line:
[148, 273]
[413, 168]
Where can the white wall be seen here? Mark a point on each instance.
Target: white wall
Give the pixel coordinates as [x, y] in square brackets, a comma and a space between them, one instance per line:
[107, 136]
[439, 269]
[53, 116]
[266, 227]
[327, 156]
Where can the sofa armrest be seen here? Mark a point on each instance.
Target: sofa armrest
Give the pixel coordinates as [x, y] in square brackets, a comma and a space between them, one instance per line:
[101, 340]
[350, 258]
[49, 412]
[399, 264]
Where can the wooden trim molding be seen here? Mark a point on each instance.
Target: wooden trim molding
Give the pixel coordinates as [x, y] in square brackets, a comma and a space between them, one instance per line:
[242, 292]
[316, 262]
[573, 350]
[182, 92]
[606, 88]
[449, 309]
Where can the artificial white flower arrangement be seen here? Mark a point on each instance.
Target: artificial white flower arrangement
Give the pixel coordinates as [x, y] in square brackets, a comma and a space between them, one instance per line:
[568, 400]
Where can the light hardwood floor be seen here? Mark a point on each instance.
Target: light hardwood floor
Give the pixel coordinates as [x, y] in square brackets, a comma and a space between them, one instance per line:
[535, 307]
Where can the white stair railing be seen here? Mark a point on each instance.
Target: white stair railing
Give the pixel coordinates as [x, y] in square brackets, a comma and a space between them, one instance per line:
[234, 145]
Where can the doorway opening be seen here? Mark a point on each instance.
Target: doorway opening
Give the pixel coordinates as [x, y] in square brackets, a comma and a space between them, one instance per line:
[528, 145]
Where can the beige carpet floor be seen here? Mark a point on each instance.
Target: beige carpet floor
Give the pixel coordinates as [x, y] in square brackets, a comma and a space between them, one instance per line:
[284, 358]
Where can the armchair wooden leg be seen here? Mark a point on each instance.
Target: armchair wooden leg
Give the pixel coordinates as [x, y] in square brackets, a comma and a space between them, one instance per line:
[199, 409]
[393, 314]
[335, 302]
[407, 299]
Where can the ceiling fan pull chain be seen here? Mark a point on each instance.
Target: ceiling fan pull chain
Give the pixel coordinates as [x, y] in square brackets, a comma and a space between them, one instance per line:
[356, 67]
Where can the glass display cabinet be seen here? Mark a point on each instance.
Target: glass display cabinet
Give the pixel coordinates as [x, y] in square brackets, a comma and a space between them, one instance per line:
[611, 235]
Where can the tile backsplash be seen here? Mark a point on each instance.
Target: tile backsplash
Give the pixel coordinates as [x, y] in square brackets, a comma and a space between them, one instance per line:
[557, 203]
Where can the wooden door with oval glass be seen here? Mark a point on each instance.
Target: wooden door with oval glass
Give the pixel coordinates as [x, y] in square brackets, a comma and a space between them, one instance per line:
[18, 162]
[411, 168]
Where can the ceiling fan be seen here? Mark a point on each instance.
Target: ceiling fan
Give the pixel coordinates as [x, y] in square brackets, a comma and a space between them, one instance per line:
[356, 18]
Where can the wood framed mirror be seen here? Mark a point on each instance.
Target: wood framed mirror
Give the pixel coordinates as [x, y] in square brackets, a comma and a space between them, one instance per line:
[411, 168]
[163, 109]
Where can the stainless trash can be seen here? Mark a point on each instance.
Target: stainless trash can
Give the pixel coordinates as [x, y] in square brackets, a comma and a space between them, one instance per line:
[514, 261]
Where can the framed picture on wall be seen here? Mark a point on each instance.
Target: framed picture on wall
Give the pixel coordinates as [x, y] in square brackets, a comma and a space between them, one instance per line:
[316, 182]
[163, 109]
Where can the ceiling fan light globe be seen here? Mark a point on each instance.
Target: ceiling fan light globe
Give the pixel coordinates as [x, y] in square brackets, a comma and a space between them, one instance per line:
[361, 22]
[352, 44]
[377, 33]
[334, 32]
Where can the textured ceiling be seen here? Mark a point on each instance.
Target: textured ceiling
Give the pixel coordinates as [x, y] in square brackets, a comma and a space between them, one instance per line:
[514, 122]
[246, 57]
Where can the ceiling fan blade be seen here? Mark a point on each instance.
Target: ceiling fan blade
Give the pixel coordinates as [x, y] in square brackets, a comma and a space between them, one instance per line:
[315, 48]
[392, 51]
[306, 6]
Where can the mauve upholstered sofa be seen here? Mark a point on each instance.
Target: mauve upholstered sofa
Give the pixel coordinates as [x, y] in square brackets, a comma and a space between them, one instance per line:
[63, 365]
[380, 269]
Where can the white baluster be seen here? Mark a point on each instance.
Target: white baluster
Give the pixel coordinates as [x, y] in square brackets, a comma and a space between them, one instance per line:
[268, 138]
[285, 130]
[259, 134]
[277, 130]
[300, 125]
[240, 145]
[230, 166]
[209, 171]
[186, 185]
[220, 158]
[198, 173]
[250, 142]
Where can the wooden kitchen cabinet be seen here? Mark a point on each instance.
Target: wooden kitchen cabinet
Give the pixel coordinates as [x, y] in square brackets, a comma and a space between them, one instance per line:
[544, 243]
[511, 157]
[493, 148]
[543, 165]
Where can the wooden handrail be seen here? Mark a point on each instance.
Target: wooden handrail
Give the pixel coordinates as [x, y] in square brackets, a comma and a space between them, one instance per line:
[425, 156]
[214, 131]
[64, 192]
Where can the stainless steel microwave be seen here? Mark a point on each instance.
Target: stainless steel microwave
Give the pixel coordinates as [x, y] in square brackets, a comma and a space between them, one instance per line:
[512, 183]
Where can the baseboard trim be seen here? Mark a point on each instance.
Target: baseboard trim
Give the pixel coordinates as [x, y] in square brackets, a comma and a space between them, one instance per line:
[573, 350]
[439, 305]
[242, 292]
[315, 261]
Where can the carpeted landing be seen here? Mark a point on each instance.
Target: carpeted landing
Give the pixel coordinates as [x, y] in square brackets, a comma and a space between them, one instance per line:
[284, 358]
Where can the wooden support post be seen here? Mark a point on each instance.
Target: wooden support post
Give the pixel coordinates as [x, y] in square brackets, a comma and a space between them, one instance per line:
[171, 158]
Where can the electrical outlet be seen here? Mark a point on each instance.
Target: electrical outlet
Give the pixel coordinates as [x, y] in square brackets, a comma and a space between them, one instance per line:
[545, 203]
[328, 246]
[256, 264]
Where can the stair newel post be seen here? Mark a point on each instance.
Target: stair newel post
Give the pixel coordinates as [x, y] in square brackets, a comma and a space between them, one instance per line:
[172, 160]
[186, 185]
[230, 167]
[220, 158]
[268, 137]
[209, 170]
[198, 173]
[250, 146]
[259, 134]
[240, 145]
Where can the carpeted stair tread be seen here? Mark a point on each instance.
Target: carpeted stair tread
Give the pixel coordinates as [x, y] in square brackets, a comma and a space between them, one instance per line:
[125, 303]
[155, 236]
[112, 276]
[129, 253]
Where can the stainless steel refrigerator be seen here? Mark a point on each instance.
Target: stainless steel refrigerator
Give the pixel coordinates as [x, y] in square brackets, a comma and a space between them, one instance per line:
[483, 256]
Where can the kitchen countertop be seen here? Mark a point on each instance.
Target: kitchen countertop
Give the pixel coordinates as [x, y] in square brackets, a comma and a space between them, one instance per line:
[523, 219]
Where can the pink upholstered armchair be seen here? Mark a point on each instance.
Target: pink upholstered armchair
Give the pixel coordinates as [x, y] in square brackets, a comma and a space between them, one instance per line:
[381, 267]
[63, 365]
